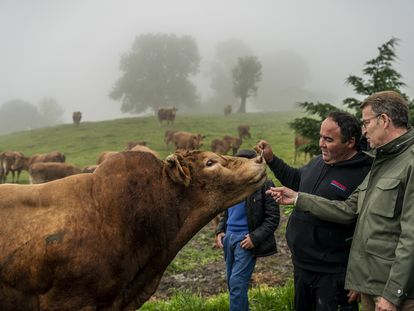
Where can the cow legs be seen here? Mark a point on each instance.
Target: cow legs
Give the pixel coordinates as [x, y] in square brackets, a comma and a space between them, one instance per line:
[17, 176]
[6, 172]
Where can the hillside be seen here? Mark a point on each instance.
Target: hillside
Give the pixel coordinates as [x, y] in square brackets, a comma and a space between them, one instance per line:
[83, 144]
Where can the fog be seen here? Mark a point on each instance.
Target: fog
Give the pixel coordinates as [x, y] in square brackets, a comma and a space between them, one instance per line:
[70, 50]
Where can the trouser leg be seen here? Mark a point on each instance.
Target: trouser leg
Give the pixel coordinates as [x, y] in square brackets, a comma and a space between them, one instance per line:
[242, 266]
[302, 285]
[315, 291]
[228, 256]
[408, 305]
[330, 294]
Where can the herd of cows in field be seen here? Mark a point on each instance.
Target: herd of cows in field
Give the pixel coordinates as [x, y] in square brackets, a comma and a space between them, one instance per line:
[51, 166]
[191, 141]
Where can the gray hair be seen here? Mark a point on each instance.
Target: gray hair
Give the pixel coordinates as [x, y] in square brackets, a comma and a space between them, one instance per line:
[392, 104]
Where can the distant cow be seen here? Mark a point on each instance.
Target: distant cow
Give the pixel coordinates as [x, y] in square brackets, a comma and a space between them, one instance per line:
[7, 160]
[24, 163]
[140, 148]
[233, 142]
[76, 117]
[89, 169]
[187, 140]
[42, 172]
[104, 155]
[132, 144]
[299, 142]
[220, 146]
[102, 241]
[167, 114]
[244, 131]
[227, 110]
[168, 137]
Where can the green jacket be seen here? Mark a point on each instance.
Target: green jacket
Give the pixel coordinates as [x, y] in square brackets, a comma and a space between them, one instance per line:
[381, 261]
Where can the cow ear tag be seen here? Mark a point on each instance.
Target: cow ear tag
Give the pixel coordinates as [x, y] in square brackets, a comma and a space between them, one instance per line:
[176, 171]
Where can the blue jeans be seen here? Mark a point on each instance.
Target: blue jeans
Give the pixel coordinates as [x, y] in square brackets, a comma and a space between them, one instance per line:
[240, 264]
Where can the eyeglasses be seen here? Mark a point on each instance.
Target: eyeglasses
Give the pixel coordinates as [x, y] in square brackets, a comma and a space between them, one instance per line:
[365, 122]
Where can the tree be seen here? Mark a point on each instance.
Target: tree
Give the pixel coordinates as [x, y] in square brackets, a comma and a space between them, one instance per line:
[156, 73]
[246, 74]
[50, 111]
[220, 71]
[309, 127]
[381, 76]
[17, 115]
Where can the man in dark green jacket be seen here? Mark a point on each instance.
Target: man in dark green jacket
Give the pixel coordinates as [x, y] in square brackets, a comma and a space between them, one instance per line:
[381, 261]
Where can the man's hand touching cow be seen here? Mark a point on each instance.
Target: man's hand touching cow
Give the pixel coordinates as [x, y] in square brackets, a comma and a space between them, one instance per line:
[283, 195]
[265, 149]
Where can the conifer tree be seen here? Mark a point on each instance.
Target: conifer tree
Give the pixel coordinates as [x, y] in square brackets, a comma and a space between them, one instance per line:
[380, 76]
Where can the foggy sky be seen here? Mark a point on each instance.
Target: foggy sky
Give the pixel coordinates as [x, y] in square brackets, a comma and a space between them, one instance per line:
[70, 49]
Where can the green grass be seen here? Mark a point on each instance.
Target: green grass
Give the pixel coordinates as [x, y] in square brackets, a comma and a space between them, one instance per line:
[262, 298]
[197, 252]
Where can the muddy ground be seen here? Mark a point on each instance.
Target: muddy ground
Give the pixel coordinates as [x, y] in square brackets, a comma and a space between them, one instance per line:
[211, 279]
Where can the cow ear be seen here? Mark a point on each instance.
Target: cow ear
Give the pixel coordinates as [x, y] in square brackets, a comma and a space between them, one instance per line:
[176, 170]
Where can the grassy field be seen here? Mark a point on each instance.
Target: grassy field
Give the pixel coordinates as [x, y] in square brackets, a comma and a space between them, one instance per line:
[82, 145]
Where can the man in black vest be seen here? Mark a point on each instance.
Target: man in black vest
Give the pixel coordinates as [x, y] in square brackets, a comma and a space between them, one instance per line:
[320, 249]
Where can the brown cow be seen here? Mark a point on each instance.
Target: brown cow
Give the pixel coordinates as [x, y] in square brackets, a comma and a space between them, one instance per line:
[227, 110]
[244, 131]
[140, 148]
[299, 142]
[102, 241]
[42, 172]
[187, 140]
[104, 155]
[76, 117]
[168, 137]
[167, 114]
[220, 146]
[233, 142]
[132, 144]
[89, 169]
[24, 163]
[7, 160]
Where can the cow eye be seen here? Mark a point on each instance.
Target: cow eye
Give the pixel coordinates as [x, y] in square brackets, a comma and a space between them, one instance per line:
[209, 163]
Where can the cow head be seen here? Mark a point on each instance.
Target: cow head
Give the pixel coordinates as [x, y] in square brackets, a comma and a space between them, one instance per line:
[198, 140]
[217, 180]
